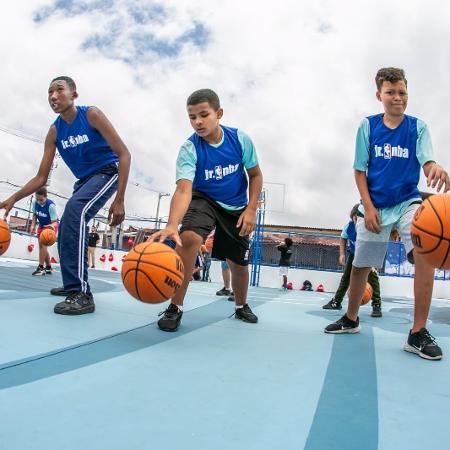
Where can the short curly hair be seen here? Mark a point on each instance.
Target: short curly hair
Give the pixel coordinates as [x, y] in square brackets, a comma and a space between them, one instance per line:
[391, 74]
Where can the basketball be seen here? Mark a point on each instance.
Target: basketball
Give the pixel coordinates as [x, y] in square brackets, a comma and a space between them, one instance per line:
[152, 272]
[430, 230]
[368, 292]
[47, 237]
[5, 236]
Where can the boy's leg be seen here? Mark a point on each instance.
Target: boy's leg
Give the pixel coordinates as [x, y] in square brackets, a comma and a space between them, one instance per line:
[336, 301]
[419, 339]
[188, 253]
[197, 224]
[226, 277]
[80, 209]
[228, 244]
[423, 291]
[370, 252]
[374, 281]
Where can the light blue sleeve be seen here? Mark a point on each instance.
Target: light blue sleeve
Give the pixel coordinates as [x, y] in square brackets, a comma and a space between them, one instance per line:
[424, 147]
[53, 213]
[249, 157]
[344, 234]
[362, 146]
[186, 162]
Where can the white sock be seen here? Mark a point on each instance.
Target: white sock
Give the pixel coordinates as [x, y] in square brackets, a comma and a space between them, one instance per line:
[180, 307]
[239, 306]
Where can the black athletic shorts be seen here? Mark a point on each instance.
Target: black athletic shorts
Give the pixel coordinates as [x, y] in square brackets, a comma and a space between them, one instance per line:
[203, 215]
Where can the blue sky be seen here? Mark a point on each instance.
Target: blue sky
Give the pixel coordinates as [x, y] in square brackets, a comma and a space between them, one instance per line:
[297, 76]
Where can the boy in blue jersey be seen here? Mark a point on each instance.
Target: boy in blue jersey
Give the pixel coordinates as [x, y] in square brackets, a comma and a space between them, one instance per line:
[212, 169]
[391, 148]
[97, 156]
[44, 214]
[346, 256]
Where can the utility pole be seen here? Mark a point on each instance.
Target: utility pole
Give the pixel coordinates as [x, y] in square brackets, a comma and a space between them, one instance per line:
[160, 194]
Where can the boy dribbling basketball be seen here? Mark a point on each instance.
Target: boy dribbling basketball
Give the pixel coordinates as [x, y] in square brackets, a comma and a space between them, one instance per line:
[44, 213]
[391, 148]
[212, 169]
[97, 156]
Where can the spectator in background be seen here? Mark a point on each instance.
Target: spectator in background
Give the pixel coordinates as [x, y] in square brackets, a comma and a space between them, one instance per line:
[285, 255]
[93, 239]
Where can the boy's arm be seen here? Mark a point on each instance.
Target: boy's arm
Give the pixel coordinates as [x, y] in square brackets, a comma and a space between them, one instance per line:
[99, 121]
[247, 219]
[178, 206]
[33, 224]
[371, 217]
[40, 178]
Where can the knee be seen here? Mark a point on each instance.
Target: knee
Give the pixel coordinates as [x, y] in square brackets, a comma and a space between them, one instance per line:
[191, 239]
[237, 269]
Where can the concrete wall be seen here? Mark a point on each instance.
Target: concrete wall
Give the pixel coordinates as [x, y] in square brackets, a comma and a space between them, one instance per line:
[390, 286]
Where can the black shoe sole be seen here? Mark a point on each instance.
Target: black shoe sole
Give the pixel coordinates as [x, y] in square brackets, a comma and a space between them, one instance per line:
[411, 349]
[75, 312]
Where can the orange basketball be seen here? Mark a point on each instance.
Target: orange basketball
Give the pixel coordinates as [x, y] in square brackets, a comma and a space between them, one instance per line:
[152, 272]
[430, 230]
[368, 292]
[5, 236]
[47, 237]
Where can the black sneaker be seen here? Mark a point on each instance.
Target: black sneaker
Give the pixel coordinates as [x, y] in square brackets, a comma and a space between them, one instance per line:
[376, 311]
[231, 297]
[332, 304]
[39, 271]
[343, 325]
[245, 314]
[224, 291]
[423, 344]
[75, 304]
[171, 318]
[48, 270]
[59, 291]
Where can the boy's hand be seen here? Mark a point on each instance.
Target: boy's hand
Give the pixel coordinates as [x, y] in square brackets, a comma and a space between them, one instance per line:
[116, 212]
[247, 221]
[372, 220]
[342, 260]
[33, 230]
[438, 178]
[7, 205]
[162, 235]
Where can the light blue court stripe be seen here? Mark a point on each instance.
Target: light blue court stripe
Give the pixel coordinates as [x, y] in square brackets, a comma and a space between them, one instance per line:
[347, 413]
[16, 373]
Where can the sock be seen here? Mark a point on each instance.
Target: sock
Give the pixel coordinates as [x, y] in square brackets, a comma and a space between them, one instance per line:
[239, 306]
[180, 307]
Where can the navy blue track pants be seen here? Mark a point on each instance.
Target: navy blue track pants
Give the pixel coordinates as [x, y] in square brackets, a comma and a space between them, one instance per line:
[88, 197]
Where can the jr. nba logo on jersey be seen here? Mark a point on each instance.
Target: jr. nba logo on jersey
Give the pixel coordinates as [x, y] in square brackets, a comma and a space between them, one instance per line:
[218, 172]
[387, 151]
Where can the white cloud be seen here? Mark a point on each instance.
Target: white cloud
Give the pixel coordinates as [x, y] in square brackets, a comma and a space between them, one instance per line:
[295, 75]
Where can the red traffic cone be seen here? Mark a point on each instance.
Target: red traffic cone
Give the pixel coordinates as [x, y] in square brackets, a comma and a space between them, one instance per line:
[103, 258]
[320, 288]
[53, 260]
[114, 268]
[30, 247]
[290, 285]
[111, 257]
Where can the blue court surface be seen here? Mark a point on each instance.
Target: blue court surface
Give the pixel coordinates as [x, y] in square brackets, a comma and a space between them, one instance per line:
[112, 380]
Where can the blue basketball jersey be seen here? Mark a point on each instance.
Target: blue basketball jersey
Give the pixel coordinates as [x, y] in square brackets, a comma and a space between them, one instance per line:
[81, 146]
[220, 170]
[393, 170]
[43, 212]
[350, 231]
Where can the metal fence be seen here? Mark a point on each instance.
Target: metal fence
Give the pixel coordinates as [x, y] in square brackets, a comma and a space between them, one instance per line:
[309, 252]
